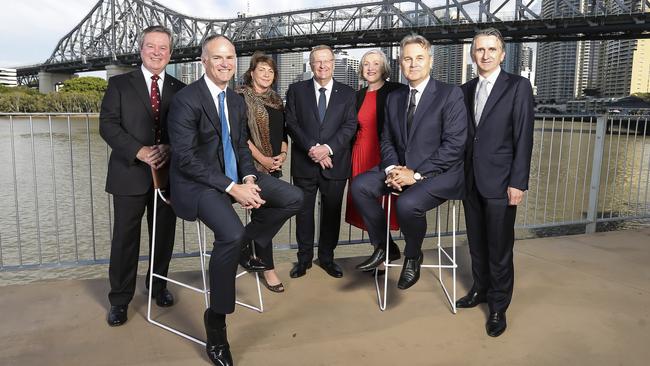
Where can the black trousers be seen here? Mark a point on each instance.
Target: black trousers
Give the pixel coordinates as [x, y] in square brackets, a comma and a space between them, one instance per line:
[491, 236]
[331, 198]
[215, 210]
[411, 207]
[125, 246]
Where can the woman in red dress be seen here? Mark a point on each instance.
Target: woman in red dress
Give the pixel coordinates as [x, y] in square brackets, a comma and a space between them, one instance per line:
[375, 70]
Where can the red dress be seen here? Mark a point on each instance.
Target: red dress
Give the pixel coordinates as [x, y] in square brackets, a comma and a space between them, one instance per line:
[365, 155]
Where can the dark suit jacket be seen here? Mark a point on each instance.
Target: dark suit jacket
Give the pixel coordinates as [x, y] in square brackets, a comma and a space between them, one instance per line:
[388, 87]
[126, 124]
[305, 129]
[195, 134]
[499, 150]
[436, 143]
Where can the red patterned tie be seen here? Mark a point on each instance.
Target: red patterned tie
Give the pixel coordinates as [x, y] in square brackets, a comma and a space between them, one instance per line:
[155, 106]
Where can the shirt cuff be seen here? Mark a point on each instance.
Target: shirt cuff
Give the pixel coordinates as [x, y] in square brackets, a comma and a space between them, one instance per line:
[250, 175]
[388, 169]
[230, 186]
[330, 149]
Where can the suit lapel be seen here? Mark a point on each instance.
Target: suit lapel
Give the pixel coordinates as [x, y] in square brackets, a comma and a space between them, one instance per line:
[140, 87]
[169, 88]
[402, 105]
[333, 103]
[425, 101]
[471, 90]
[311, 98]
[209, 105]
[233, 121]
[496, 93]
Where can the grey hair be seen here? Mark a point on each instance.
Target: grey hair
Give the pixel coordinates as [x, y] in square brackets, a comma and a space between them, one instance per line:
[159, 29]
[385, 69]
[318, 48]
[489, 32]
[210, 38]
[415, 38]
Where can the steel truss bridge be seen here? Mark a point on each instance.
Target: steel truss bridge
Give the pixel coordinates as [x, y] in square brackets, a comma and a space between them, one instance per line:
[109, 33]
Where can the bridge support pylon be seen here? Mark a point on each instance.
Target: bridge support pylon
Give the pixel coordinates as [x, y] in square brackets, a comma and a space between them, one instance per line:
[112, 70]
[47, 81]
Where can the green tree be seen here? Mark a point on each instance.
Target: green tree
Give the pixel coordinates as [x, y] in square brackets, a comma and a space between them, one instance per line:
[85, 84]
[644, 96]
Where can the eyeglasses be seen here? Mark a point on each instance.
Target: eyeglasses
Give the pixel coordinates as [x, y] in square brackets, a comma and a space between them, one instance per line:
[322, 62]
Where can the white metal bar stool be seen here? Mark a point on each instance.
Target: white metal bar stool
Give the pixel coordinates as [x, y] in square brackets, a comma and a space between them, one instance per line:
[203, 254]
[382, 294]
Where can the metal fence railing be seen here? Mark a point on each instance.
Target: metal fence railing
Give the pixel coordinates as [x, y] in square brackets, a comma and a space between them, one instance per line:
[55, 211]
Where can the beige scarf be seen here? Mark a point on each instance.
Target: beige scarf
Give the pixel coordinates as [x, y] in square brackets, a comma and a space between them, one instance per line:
[258, 118]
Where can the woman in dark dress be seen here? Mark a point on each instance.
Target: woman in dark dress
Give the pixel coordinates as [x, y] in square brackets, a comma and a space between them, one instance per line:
[267, 136]
[375, 70]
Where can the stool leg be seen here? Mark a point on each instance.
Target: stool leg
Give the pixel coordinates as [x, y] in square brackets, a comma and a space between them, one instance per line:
[152, 252]
[202, 257]
[382, 300]
[259, 308]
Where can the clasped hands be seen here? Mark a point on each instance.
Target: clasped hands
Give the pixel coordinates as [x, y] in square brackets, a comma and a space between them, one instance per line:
[274, 163]
[156, 156]
[321, 154]
[400, 177]
[247, 194]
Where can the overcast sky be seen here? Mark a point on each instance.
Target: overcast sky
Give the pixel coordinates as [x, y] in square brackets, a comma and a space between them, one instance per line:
[30, 29]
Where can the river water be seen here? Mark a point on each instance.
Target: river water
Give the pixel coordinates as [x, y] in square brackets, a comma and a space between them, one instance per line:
[53, 208]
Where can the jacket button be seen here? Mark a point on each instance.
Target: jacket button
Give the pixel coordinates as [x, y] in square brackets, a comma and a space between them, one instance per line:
[475, 139]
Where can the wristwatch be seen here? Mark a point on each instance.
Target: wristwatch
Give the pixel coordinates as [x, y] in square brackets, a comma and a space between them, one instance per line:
[417, 176]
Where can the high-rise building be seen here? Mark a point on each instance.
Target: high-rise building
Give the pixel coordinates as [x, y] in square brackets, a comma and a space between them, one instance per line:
[8, 77]
[290, 70]
[588, 64]
[186, 72]
[512, 61]
[243, 63]
[346, 69]
[556, 61]
[449, 63]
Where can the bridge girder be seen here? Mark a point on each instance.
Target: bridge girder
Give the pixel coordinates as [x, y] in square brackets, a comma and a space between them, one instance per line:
[109, 33]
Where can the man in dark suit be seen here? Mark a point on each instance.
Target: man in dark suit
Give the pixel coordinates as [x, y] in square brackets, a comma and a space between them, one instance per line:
[321, 120]
[133, 121]
[211, 168]
[422, 147]
[497, 165]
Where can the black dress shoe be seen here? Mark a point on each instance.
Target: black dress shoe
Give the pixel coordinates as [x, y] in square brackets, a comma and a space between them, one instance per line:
[248, 261]
[410, 273]
[217, 346]
[378, 257]
[164, 298]
[496, 324]
[331, 268]
[472, 299]
[117, 315]
[299, 269]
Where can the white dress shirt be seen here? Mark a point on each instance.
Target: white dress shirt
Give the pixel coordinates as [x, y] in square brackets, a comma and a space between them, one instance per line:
[147, 78]
[491, 79]
[214, 92]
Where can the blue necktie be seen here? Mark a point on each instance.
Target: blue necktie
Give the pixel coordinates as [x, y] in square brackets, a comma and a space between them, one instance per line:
[322, 104]
[228, 152]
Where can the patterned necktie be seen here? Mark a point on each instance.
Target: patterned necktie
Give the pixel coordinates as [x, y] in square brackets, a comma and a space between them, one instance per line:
[155, 106]
[411, 111]
[481, 98]
[322, 104]
[228, 151]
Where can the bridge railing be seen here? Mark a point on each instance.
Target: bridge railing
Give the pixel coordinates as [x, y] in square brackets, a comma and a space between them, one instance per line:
[586, 171]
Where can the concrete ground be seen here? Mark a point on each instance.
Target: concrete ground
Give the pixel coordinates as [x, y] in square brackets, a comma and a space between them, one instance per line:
[579, 300]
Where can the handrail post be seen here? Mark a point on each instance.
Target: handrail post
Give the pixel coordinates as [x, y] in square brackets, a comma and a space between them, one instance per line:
[596, 168]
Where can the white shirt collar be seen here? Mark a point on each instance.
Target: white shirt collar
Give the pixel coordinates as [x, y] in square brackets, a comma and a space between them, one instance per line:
[493, 76]
[328, 86]
[420, 88]
[148, 74]
[213, 88]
